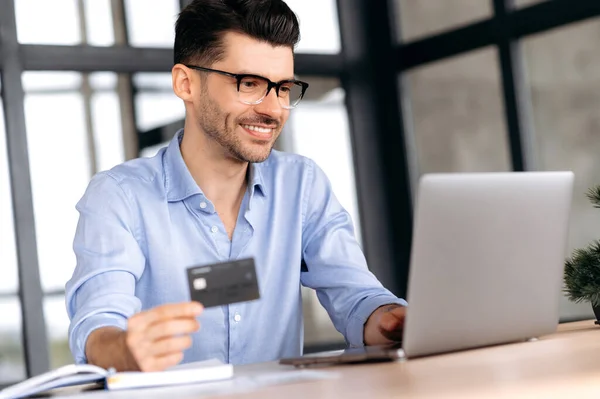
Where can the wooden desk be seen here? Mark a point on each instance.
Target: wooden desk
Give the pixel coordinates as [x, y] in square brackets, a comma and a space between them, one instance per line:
[562, 365]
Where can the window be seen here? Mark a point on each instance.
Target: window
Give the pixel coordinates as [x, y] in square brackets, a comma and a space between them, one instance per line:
[73, 130]
[562, 68]
[420, 18]
[151, 23]
[57, 331]
[58, 22]
[318, 128]
[12, 366]
[48, 22]
[106, 120]
[157, 107]
[317, 13]
[99, 23]
[457, 115]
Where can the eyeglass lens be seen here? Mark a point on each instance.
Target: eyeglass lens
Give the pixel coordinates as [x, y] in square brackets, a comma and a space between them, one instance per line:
[253, 89]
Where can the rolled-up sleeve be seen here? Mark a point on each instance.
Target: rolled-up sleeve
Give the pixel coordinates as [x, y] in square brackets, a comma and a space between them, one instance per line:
[337, 268]
[101, 291]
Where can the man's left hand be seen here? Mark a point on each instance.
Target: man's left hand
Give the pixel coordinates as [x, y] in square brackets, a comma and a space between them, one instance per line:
[385, 325]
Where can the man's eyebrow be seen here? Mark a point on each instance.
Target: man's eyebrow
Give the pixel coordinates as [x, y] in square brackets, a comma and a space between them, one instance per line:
[245, 72]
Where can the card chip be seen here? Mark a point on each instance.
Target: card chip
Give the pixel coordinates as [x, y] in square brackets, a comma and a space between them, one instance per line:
[199, 283]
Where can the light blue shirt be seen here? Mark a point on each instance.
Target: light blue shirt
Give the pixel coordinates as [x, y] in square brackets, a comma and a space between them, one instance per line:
[144, 222]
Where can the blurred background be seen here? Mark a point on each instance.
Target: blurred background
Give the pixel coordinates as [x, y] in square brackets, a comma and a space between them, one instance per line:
[397, 89]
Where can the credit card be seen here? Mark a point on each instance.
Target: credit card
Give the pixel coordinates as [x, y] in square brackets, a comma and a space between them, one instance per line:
[223, 283]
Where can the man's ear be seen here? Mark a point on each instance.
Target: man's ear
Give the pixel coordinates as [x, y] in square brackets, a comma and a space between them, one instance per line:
[183, 82]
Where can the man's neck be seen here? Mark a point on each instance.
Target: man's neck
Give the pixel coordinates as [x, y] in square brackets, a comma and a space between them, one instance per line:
[221, 178]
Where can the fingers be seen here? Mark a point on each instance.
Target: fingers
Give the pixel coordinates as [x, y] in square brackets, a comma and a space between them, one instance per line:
[391, 321]
[162, 362]
[391, 335]
[171, 345]
[165, 312]
[156, 338]
[172, 327]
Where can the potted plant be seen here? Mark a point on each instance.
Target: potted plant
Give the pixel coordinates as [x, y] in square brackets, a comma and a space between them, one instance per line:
[582, 269]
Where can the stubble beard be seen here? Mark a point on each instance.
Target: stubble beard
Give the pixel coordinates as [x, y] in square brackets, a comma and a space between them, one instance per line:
[215, 124]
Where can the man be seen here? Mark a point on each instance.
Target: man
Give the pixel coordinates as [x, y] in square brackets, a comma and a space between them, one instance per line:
[218, 192]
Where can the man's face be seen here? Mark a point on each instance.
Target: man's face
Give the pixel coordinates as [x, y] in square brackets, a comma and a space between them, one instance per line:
[246, 132]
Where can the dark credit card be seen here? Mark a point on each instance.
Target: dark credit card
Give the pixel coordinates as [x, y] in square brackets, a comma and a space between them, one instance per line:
[223, 283]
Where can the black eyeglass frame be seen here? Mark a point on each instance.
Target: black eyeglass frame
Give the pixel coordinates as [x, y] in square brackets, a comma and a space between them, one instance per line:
[270, 84]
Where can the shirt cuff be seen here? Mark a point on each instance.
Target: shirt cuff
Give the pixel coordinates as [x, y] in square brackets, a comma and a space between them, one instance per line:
[356, 326]
[81, 332]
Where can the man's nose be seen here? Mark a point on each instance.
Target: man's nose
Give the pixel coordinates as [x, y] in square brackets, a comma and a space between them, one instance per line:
[270, 105]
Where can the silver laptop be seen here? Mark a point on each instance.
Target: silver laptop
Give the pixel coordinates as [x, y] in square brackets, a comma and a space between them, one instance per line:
[487, 259]
[486, 264]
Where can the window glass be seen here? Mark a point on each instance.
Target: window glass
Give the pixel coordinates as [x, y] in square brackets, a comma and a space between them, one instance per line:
[60, 169]
[48, 22]
[107, 126]
[563, 69]
[318, 128]
[73, 129]
[57, 331]
[12, 364]
[99, 23]
[457, 115]
[151, 23]
[319, 31]
[419, 18]
[156, 106]
[60, 153]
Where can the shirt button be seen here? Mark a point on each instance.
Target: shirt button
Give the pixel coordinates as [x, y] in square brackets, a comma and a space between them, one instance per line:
[237, 317]
[203, 205]
[214, 229]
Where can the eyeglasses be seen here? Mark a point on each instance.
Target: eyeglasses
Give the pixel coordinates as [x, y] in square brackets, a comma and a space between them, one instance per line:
[252, 89]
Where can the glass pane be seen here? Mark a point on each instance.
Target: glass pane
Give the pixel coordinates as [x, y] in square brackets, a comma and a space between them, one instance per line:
[156, 104]
[318, 328]
[99, 23]
[8, 254]
[49, 82]
[59, 134]
[319, 27]
[48, 22]
[319, 124]
[564, 75]
[107, 125]
[151, 23]
[419, 18]
[457, 115]
[57, 326]
[103, 80]
[12, 362]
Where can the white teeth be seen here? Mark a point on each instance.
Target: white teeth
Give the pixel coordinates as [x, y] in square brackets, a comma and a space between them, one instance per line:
[257, 129]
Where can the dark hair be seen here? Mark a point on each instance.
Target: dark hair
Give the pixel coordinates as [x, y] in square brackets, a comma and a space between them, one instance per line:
[200, 27]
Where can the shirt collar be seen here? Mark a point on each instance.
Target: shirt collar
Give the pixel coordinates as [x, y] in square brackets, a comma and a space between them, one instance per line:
[179, 183]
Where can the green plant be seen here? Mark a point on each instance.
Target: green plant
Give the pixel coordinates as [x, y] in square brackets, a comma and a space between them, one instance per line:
[582, 269]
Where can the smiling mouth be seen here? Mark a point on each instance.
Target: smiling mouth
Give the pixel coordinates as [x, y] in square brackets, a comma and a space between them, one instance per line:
[259, 131]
